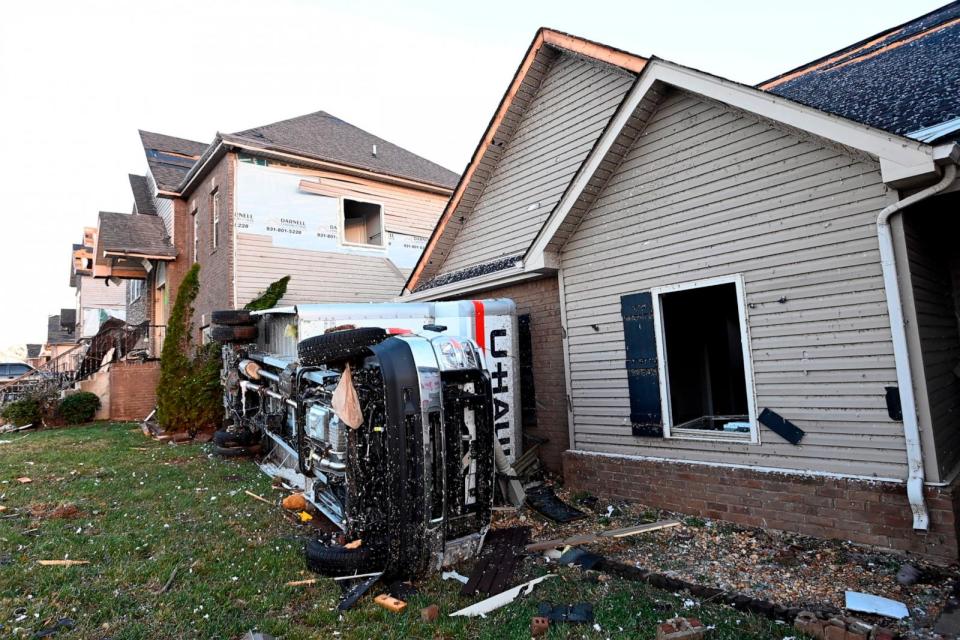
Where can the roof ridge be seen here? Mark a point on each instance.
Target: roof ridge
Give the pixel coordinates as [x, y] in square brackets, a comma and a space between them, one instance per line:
[319, 112]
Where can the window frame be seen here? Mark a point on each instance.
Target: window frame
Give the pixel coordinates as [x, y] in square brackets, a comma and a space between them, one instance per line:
[663, 370]
[215, 219]
[196, 235]
[342, 226]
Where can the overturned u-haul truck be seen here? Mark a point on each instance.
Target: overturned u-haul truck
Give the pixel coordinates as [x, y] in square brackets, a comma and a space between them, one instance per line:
[392, 418]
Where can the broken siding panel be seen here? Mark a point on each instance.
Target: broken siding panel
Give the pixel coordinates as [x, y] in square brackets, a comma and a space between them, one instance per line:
[314, 276]
[98, 292]
[572, 105]
[706, 192]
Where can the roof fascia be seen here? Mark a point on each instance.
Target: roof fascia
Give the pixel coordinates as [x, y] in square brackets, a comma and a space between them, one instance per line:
[464, 287]
[902, 160]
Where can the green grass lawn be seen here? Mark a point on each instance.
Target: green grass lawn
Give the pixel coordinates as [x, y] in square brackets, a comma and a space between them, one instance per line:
[146, 508]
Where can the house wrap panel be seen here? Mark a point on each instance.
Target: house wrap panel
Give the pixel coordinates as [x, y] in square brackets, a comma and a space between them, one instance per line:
[707, 191]
[564, 120]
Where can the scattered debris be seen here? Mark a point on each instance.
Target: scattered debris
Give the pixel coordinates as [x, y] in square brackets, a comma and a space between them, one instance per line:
[353, 545]
[581, 558]
[909, 575]
[358, 590]
[869, 603]
[306, 517]
[493, 603]
[497, 562]
[169, 583]
[256, 635]
[62, 563]
[539, 626]
[430, 613]
[301, 583]
[390, 603]
[256, 497]
[402, 590]
[579, 613]
[453, 575]
[598, 537]
[9, 428]
[544, 501]
[294, 502]
[24, 480]
[681, 628]
[62, 623]
[358, 575]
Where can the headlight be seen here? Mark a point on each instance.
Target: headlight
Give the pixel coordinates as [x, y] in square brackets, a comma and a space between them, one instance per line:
[454, 354]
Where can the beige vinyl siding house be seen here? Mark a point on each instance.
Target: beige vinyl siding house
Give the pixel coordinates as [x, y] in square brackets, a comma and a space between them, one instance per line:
[709, 191]
[345, 271]
[566, 116]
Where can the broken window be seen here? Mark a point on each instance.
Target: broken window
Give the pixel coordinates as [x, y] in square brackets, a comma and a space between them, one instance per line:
[704, 363]
[362, 223]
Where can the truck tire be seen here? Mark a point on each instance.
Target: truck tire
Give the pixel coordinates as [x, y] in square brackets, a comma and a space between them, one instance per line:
[335, 560]
[339, 345]
[232, 317]
[228, 333]
[225, 438]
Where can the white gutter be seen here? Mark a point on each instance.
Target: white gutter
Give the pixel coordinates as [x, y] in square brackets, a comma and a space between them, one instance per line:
[911, 429]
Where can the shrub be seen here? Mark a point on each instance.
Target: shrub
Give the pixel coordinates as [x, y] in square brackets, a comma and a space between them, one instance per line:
[188, 394]
[79, 408]
[22, 412]
[269, 298]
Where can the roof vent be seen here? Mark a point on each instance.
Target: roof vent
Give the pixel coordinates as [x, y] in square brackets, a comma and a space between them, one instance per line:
[374, 151]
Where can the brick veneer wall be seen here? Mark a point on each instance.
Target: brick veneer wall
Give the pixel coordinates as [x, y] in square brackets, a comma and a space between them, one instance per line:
[216, 265]
[874, 513]
[541, 299]
[133, 389]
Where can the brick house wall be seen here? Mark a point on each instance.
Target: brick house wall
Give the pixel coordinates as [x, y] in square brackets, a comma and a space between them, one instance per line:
[133, 389]
[868, 512]
[541, 300]
[216, 265]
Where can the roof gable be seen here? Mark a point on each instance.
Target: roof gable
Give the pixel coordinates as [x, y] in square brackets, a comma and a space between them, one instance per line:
[324, 136]
[170, 158]
[134, 234]
[899, 157]
[546, 47]
[902, 80]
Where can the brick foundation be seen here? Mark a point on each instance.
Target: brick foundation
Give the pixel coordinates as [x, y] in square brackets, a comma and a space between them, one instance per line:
[874, 513]
[133, 389]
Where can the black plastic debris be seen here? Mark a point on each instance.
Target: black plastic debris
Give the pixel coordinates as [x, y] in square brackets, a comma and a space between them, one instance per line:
[357, 591]
[580, 558]
[579, 613]
[781, 426]
[61, 624]
[544, 501]
[402, 590]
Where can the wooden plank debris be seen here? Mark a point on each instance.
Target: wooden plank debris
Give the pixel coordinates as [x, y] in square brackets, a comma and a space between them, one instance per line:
[602, 535]
[62, 563]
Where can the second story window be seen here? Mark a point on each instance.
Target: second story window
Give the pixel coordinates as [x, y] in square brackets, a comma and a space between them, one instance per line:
[215, 218]
[196, 236]
[363, 223]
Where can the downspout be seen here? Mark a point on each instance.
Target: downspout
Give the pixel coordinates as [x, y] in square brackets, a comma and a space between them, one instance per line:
[911, 429]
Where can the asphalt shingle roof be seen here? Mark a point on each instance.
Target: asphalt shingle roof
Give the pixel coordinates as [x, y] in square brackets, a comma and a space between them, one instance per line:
[170, 158]
[142, 197]
[902, 80]
[326, 137]
[56, 333]
[134, 233]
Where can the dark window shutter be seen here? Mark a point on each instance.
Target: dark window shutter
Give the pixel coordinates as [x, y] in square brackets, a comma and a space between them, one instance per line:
[643, 376]
[528, 393]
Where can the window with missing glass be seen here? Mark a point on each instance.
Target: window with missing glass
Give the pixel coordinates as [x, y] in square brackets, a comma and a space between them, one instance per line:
[362, 223]
[706, 378]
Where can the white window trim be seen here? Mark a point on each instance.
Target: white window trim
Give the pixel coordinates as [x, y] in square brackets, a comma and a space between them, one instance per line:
[196, 235]
[215, 215]
[656, 293]
[360, 245]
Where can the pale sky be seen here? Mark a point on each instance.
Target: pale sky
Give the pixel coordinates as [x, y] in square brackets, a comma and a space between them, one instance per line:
[77, 79]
